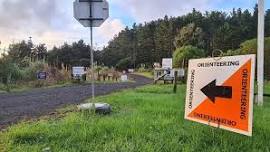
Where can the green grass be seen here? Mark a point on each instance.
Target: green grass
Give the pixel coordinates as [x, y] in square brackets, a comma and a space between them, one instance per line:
[149, 119]
[267, 87]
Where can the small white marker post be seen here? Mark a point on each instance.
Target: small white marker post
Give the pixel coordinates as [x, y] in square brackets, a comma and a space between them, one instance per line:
[260, 56]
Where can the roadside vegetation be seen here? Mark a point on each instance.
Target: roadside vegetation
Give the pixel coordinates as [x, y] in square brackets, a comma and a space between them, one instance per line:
[19, 74]
[150, 118]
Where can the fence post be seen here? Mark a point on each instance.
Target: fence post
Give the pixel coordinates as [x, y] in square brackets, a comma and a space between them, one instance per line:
[175, 81]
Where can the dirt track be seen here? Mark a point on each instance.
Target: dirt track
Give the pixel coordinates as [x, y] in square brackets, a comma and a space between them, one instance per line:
[15, 107]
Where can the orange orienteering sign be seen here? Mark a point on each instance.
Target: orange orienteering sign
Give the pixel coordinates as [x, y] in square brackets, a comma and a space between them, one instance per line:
[220, 92]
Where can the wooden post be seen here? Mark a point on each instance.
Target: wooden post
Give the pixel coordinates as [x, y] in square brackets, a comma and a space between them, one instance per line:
[175, 81]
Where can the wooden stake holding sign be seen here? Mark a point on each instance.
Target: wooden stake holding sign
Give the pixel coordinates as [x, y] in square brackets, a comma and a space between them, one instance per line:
[220, 92]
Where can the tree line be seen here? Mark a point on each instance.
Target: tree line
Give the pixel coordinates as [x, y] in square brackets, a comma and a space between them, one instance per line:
[149, 42]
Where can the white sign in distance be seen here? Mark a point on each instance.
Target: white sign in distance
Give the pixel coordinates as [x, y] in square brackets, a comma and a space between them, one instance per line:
[99, 12]
[167, 63]
[78, 71]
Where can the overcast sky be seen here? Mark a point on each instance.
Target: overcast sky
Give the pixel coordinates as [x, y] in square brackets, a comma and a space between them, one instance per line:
[52, 22]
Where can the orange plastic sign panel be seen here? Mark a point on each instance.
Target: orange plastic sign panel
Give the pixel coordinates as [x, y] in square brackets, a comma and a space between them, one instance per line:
[220, 92]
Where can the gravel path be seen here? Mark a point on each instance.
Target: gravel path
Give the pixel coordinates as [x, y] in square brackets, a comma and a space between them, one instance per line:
[15, 107]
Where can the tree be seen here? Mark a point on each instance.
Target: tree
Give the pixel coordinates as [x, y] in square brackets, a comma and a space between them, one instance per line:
[164, 38]
[145, 52]
[18, 51]
[250, 47]
[212, 21]
[267, 23]
[41, 52]
[185, 53]
[223, 37]
[121, 47]
[189, 35]
[77, 54]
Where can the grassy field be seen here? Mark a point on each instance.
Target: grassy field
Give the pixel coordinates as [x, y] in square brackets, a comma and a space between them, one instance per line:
[149, 119]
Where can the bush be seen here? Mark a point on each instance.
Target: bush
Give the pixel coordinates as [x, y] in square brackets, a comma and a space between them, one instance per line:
[30, 73]
[9, 72]
[124, 64]
[186, 53]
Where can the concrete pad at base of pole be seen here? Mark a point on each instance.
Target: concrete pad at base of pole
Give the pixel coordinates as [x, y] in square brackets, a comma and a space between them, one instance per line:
[100, 108]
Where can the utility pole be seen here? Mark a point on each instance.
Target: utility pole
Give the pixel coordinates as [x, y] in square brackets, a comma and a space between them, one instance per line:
[134, 49]
[91, 13]
[0, 50]
[92, 54]
[260, 56]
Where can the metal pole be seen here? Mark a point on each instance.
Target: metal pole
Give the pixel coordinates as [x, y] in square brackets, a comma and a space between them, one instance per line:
[134, 38]
[92, 63]
[260, 56]
[134, 55]
[92, 55]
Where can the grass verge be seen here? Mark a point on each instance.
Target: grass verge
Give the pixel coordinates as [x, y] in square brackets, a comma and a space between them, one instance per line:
[22, 88]
[145, 74]
[148, 119]
[28, 87]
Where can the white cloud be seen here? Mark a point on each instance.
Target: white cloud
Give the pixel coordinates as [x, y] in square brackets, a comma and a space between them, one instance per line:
[145, 10]
[20, 19]
[76, 32]
[52, 22]
[108, 30]
[48, 21]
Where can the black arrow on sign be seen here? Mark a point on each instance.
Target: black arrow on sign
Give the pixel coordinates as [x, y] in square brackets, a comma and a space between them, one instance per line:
[212, 91]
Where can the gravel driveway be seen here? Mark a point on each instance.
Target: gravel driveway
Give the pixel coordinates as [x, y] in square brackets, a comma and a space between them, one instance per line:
[15, 107]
